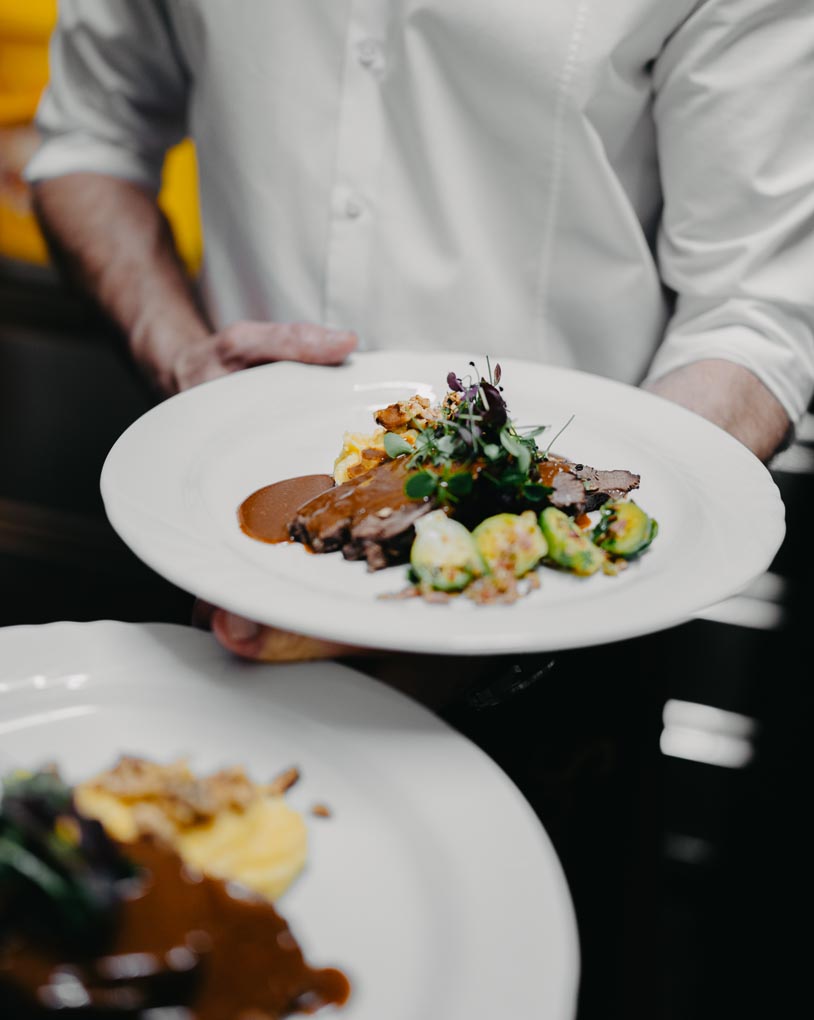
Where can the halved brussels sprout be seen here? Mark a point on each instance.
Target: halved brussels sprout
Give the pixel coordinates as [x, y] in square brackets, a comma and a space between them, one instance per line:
[567, 546]
[510, 542]
[444, 554]
[624, 529]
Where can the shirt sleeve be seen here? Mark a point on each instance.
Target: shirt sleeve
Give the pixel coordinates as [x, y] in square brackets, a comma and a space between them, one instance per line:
[734, 94]
[116, 96]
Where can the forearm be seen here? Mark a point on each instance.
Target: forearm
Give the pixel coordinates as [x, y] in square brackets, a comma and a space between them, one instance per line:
[733, 398]
[109, 237]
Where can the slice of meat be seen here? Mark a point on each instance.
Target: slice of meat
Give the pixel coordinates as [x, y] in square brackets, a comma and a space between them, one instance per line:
[385, 537]
[369, 517]
[567, 492]
[613, 483]
[579, 488]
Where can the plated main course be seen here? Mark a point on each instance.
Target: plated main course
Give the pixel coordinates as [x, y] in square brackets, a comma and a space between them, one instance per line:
[150, 891]
[462, 495]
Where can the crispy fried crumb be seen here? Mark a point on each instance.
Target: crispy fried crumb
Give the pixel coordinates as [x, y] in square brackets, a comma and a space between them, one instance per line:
[170, 795]
[500, 587]
[283, 782]
[416, 411]
[321, 811]
[451, 403]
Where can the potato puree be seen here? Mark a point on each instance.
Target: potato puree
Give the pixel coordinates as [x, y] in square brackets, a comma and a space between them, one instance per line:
[223, 825]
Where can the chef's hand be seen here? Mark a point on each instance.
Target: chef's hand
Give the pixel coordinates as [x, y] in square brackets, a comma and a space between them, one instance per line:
[111, 239]
[434, 680]
[251, 640]
[246, 344]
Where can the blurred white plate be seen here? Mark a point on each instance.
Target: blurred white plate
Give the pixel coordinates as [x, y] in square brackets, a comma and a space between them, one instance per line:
[174, 480]
[433, 885]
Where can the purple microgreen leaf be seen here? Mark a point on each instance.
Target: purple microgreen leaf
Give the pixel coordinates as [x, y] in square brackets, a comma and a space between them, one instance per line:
[496, 411]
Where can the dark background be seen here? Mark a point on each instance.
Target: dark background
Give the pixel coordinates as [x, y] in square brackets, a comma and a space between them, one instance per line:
[691, 881]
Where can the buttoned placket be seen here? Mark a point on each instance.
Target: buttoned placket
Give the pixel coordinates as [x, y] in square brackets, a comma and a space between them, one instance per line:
[358, 152]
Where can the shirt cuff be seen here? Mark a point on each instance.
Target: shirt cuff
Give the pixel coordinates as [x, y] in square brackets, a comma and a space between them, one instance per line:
[80, 153]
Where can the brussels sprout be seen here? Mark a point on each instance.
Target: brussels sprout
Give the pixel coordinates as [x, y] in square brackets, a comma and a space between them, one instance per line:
[624, 529]
[444, 554]
[567, 546]
[511, 542]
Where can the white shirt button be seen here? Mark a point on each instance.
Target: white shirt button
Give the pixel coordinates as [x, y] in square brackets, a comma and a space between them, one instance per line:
[353, 207]
[369, 54]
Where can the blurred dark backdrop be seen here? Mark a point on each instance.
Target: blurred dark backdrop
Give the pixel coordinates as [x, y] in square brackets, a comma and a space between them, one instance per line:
[67, 391]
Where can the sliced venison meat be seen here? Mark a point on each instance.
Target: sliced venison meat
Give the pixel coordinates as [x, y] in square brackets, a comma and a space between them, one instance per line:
[368, 517]
[612, 484]
[385, 538]
[578, 488]
[567, 492]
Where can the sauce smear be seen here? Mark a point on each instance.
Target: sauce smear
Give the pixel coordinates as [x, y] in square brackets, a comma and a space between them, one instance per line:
[182, 940]
[265, 515]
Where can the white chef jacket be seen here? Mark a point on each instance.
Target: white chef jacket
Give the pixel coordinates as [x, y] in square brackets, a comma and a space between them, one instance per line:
[584, 182]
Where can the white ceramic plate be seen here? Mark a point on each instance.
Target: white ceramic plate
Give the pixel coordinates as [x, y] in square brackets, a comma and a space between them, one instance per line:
[173, 482]
[433, 885]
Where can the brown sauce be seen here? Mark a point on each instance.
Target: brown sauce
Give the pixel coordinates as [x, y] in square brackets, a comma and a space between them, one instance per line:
[550, 468]
[182, 940]
[266, 513]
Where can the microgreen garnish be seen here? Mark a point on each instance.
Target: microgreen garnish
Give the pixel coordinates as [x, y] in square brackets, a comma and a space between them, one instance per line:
[445, 486]
[474, 437]
[421, 485]
[395, 445]
[557, 436]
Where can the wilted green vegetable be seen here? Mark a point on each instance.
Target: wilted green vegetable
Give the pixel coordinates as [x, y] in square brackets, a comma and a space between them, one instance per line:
[444, 555]
[624, 529]
[511, 542]
[60, 873]
[568, 546]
